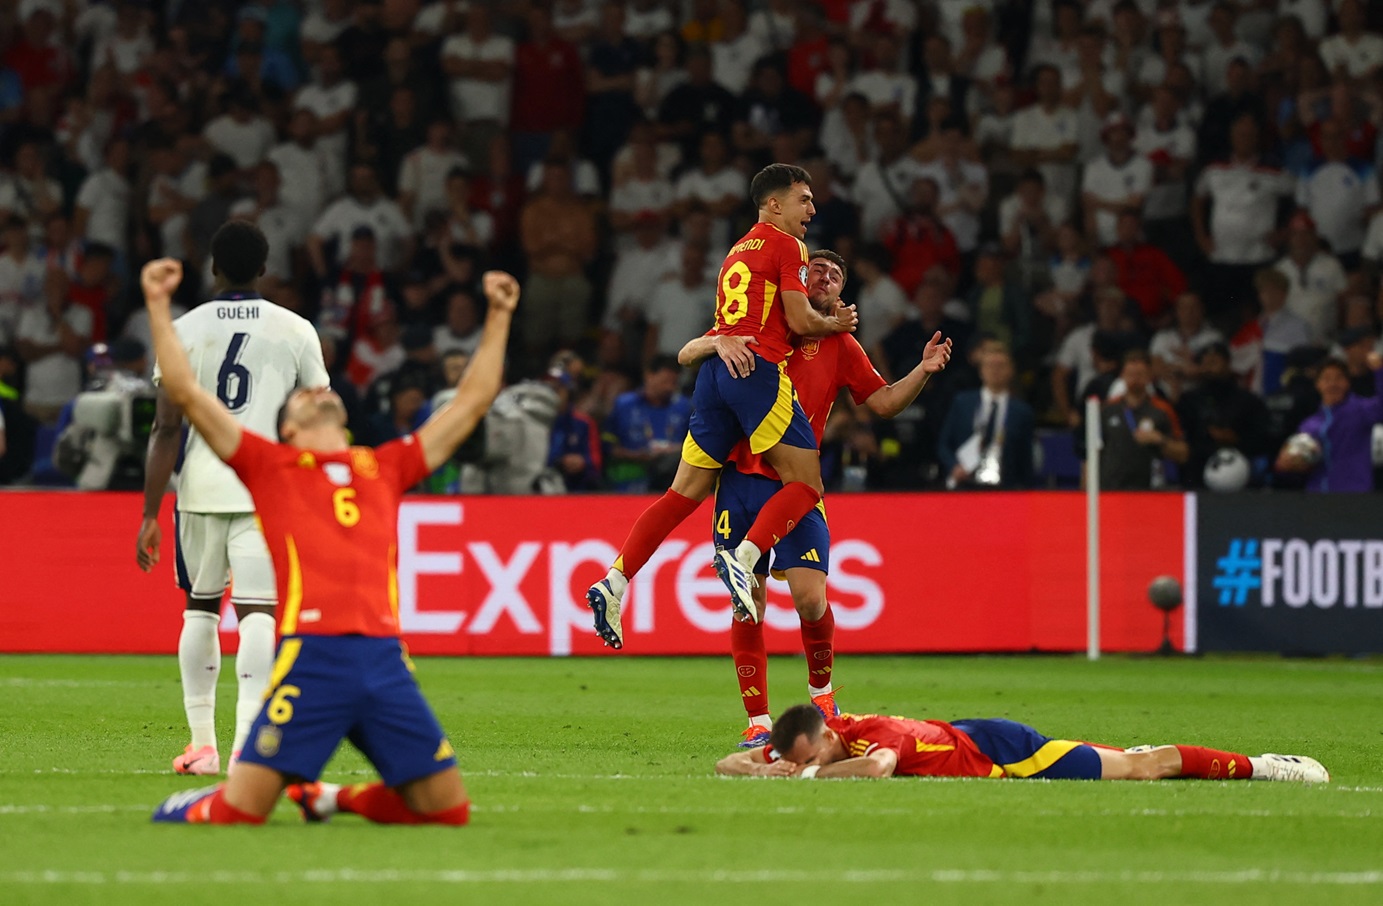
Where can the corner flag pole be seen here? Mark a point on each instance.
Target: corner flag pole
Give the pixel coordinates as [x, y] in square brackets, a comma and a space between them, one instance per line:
[1092, 528]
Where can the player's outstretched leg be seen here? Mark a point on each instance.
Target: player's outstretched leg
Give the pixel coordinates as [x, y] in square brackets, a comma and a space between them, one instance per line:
[689, 488]
[372, 801]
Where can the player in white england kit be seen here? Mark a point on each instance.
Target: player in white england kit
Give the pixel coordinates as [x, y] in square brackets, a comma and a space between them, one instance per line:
[252, 354]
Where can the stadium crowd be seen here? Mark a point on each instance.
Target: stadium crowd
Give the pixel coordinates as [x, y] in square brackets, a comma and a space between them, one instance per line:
[1171, 204]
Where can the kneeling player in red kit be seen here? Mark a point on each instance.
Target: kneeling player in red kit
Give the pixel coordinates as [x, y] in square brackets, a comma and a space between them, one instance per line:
[330, 516]
[804, 744]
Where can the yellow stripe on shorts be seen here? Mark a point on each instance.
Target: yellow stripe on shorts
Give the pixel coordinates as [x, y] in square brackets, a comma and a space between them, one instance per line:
[693, 455]
[1050, 753]
[775, 423]
[288, 654]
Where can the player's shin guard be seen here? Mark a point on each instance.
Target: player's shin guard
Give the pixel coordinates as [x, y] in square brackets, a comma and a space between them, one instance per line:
[651, 529]
[819, 644]
[782, 512]
[253, 663]
[199, 662]
[382, 805]
[751, 666]
[1213, 764]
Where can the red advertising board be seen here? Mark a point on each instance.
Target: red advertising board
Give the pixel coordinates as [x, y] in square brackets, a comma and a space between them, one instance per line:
[507, 575]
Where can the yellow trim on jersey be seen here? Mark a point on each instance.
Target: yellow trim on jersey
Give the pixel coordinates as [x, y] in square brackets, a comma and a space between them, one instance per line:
[1050, 753]
[293, 596]
[693, 455]
[288, 654]
[775, 423]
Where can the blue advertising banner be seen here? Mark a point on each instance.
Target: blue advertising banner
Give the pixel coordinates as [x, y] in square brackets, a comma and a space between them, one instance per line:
[1290, 573]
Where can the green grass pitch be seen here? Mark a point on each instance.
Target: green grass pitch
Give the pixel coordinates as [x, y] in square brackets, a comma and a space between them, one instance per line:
[592, 782]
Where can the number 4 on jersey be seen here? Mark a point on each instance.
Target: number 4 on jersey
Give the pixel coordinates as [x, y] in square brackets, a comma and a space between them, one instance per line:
[233, 380]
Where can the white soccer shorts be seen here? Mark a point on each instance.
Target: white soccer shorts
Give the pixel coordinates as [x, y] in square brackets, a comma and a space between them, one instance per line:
[219, 549]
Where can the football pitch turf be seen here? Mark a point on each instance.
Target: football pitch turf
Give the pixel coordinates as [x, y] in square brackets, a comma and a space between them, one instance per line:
[592, 781]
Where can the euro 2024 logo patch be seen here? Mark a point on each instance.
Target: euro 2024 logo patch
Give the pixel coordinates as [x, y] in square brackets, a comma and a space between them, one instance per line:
[802, 273]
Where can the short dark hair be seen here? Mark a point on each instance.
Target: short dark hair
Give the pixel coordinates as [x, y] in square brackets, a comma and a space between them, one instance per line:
[834, 258]
[799, 720]
[238, 252]
[1137, 356]
[1333, 362]
[773, 179]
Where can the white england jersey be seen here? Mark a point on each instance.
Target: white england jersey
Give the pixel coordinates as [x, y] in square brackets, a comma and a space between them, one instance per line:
[252, 354]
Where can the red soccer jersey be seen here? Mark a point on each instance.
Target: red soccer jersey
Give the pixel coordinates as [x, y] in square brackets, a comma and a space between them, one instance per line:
[819, 369]
[762, 265]
[331, 522]
[925, 748]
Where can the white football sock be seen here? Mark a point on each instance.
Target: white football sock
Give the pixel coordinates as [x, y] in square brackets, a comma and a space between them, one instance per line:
[814, 691]
[763, 720]
[618, 583]
[326, 800]
[253, 665]
[1261, 771]
[199, 662]
[748, 554]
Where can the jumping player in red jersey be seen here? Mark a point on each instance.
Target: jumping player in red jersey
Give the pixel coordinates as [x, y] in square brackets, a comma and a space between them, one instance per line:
[330, 517]
[819, 368]
[868, 745]
[761, 294]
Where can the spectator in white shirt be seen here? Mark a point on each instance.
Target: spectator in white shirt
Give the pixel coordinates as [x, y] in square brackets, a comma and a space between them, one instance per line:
[179, 182]
[461, 332]
[51, 339]
[734, 55]
[882, 186]
[1171, 52]
[881, 301]
[1353, 53]
[278, 222]
[1224, 46]
[480, 65]
[1174, 349]
[645, 263]
[303, 166]
[774, 25]
[126, 47]
[1312, 14]
[241, 133]
[1169, 144]
[645, 18]
[423, 173]
[30, 192]
[1046, 135]
[365, 206]
[331, 98]
[887, 87]
[1028, 222]
[22, 276]
[1116, 182]
[643, 192]
[1316, 280]
[680, 309]
[963, 189]
[1242, 195]
[103, 201]
[1339, 195]
[714, 183]
[327, 19]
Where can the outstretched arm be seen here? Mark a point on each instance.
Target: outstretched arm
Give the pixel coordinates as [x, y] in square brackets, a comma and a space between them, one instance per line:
[159, 462]
[753, 764]
[217, 426]
[454, 422]
[886, 402]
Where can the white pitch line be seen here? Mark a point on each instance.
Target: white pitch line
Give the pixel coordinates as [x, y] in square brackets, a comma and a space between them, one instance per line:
[675, 876]
[32, 682]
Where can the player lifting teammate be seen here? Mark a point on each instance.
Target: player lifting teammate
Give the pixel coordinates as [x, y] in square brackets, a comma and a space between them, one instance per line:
[761, 293]
[819, 368]
[330, 514]
[868, 745]
[251, 354]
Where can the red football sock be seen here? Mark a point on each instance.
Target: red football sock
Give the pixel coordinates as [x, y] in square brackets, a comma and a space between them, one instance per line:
[382, 805]
[819, 642]
[216, 810]
[651, 529]
[1213, 764]
[751, 665]
[782, 512]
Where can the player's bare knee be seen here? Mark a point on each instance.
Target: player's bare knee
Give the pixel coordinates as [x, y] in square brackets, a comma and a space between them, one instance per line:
[694, 482]
[435, 792]
[244, 610]
[254, 789]
[205, 605]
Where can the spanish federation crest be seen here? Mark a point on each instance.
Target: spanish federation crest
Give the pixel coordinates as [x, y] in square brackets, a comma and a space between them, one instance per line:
[338, 473]
[810, 347]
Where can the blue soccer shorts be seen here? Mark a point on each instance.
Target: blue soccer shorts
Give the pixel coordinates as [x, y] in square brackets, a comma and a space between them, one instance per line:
[740, 497]
[762, 407]
[1023, 752]
[328, 688]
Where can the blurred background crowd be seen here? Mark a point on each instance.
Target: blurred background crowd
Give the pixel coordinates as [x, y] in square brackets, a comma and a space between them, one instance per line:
[1172, 205]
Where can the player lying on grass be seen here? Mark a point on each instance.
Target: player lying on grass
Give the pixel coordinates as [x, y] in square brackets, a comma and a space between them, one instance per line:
[330, 516]
[820, 368]
[868, 745]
